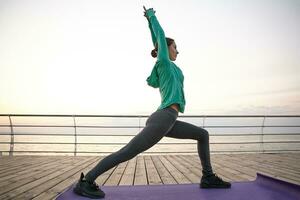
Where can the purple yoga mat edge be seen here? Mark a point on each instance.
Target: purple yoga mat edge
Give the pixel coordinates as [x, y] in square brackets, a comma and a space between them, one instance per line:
[259, 177]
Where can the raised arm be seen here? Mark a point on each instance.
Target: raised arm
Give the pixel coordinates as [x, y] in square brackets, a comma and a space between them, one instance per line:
[158, 35]
[150, 27]
[152, 34]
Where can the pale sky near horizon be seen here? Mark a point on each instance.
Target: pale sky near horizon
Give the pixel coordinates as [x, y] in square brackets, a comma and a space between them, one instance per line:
[93, 57]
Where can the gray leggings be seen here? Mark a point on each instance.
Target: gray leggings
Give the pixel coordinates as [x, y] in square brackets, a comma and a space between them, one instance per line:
[161, 123]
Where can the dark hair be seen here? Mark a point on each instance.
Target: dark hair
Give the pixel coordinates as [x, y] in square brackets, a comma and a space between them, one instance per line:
[154, 51]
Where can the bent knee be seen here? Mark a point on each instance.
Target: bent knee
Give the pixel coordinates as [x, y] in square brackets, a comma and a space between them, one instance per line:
[204, 135]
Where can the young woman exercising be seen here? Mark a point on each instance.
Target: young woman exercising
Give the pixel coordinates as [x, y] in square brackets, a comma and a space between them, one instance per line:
[163, 122]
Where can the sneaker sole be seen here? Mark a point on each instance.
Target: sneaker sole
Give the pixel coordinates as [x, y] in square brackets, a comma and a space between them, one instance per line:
[78, 191]
[214, 186]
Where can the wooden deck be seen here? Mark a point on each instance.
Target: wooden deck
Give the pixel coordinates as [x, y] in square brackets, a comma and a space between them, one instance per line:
[44, 177]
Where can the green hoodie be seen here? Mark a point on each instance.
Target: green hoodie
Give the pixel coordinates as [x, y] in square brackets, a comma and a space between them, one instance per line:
[165, 74]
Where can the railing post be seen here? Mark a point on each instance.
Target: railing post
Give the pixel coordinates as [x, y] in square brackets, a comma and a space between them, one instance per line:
[75, 135]
[12, 139]
[262, 135]
[139, 123]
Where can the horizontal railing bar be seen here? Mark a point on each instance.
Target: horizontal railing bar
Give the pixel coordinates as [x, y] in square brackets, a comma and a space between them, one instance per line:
[265, 126]
[72, 126]
[207, 126]
[206, 116]
[161, 152]
[58, 115]
[162, 143]
[218, 134]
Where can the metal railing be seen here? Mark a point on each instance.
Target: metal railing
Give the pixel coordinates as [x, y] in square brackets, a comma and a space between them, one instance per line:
[287, 142]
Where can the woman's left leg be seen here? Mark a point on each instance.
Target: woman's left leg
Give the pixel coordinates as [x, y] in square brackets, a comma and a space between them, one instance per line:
[184, 130]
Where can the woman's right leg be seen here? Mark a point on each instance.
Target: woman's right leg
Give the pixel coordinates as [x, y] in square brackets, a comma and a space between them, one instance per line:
[157, 126]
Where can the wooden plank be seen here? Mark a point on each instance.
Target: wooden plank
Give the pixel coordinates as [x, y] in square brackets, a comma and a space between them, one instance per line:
[267, 162]
[44, 177]
[195, 169]
[223, 171]
[276, 174]
[140, 173]
[235, 170]
[13, 158]
[189, 174]
[178, 176]
[36, 182]
[164, 174]
[8, 160]
[218, 169]
[244, 171]
[226, 171]
[128, 176]
[54, 191]
[21, 164]
[152, 174]
[27, 174]
[291, 157]
[257, 165]
[101, 180]
[34, 168]
[115, 177]
[191, 161]
[293, 163]
[53, 181]
[282, 172]
[27, 178]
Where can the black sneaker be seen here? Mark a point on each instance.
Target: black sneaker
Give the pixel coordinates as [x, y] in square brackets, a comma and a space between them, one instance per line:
[87, 189]
[213, 181]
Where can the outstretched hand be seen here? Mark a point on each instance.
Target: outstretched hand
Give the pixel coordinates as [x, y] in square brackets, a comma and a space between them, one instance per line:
[145, 11]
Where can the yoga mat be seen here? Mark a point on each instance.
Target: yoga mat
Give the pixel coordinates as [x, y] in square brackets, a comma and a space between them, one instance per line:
[263, 188]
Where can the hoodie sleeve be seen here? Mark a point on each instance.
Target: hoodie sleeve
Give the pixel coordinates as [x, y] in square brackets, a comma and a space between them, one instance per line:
[152, 34]
[158, 36]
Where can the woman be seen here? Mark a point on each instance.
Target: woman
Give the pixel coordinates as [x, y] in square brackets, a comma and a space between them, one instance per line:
[169, 79]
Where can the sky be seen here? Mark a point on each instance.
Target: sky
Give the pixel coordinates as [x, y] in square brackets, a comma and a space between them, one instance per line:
[93, 57]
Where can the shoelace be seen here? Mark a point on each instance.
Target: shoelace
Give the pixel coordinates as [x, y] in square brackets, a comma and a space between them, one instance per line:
[215, 177]
[218, 179]
[94, 185]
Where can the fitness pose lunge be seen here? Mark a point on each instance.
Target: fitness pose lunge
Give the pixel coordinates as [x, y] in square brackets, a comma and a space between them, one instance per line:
[163, 122]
